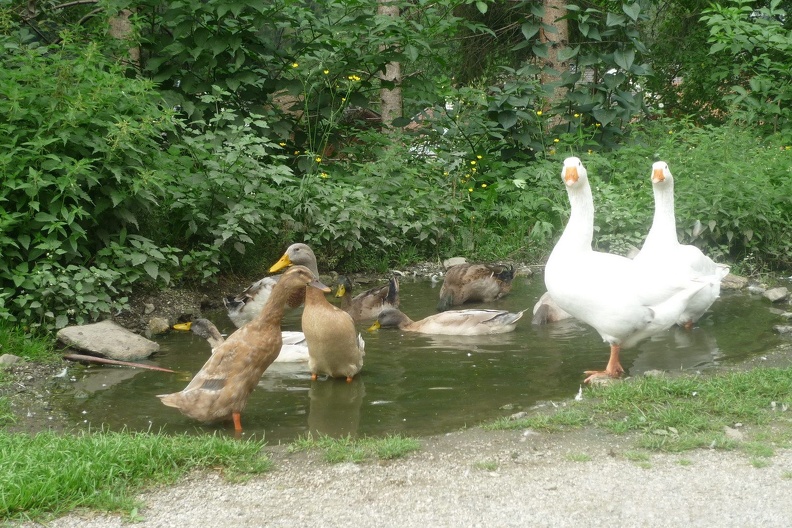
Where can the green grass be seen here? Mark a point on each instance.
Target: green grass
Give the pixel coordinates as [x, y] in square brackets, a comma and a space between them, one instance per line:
[486, 465]
[51, 474]
[348, 449]
[14, 340]
[678, 414]
[579, 457]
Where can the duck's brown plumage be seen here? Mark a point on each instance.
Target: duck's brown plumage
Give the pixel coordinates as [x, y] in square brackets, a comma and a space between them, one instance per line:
[452, 322]
[367, 305]
[334, 346]
[221, 388]
[475, 283]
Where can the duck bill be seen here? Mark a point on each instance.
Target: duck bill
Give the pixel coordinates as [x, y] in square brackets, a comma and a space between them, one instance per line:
[375, 326]
[284, 262]
[341, 291]
[570, 176]
[183, 326]
[318, 285]
[658, 176]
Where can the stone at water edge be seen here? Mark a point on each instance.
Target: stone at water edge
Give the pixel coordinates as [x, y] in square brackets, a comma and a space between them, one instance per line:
[107, 339]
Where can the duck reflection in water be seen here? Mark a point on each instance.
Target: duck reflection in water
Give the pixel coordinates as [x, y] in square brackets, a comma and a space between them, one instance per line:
[335, 407]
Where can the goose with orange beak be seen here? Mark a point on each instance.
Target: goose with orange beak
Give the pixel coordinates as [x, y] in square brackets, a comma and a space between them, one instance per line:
[609, 292]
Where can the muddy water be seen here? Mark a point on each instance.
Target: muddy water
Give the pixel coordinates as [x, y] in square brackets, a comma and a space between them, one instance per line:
[415, 384]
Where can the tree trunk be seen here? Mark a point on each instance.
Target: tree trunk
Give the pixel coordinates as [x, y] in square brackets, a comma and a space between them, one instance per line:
[553, 68]
[121, 28]
[390, 98]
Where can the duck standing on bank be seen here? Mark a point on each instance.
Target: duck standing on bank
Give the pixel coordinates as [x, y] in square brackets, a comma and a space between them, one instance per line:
[662, 252]
[609, 292]
[334, 346]
[220, 390]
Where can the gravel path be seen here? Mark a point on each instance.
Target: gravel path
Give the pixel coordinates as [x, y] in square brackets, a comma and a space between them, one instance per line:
[485, 478]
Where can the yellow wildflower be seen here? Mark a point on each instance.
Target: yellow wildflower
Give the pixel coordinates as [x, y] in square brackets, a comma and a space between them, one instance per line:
[539, 112]
[483, 185]
[470, 189]
[323, 175]
[556, 140]
[318, 159]
[326, 72]
[295, 65]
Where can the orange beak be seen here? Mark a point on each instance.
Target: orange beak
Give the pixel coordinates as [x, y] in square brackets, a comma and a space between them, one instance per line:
[570, 175]
[657, 176]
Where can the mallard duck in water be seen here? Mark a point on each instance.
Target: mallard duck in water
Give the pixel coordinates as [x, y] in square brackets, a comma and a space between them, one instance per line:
[244, 307]
[334, 346]
[474, 283]
[221, 388]
[367, 305]
[451, 322]
[293, 350]
[609, 292]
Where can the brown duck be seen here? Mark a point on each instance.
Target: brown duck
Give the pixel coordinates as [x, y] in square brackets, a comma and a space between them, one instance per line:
[334, 346]
[221, 388]
[475, 283]
[367, 305]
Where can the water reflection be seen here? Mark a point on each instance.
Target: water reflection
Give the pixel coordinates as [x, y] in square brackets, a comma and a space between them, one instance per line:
[412, 383]
[335, 407]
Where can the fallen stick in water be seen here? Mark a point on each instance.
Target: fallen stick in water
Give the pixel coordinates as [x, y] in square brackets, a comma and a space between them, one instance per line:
[106, 361]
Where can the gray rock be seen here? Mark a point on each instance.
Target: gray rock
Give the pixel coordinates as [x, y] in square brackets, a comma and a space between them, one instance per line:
[777, 294]
[453, 261]
[9, 359]
[158, 325]
[109, 340]
[733, 282]
[783, 329]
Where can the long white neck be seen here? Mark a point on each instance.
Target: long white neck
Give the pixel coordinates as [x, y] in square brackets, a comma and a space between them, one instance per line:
[663, 230]
[579, 230]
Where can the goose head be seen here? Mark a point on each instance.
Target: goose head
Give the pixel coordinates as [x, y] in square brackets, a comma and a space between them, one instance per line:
[573, 171]
[661, 174]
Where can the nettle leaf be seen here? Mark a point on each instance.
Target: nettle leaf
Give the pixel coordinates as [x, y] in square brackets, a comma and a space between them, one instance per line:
[152, 269]
[632, 11]
[624, 59]
[564, 54]
[507, 119]
[529, 29]
[614, 19]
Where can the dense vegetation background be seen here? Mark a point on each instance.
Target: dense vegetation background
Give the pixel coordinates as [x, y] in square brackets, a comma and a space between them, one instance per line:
[146, 144]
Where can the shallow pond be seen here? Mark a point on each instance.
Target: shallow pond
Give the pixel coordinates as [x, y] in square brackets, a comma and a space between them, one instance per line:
[411, 383]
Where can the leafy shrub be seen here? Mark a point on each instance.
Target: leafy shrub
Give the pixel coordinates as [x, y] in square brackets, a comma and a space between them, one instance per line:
[757, 46]
[228, 191]
[79, 141]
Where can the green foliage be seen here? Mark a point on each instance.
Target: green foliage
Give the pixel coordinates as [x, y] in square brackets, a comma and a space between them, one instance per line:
[301, 64]
[79, 143]
[51, 473]
[229, 187]
[682, 84]
[384, 204]
[757, 47]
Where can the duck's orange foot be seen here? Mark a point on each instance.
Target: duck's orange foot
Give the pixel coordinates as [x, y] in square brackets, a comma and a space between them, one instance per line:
[314, 377]
[349, 379]
[602, 375]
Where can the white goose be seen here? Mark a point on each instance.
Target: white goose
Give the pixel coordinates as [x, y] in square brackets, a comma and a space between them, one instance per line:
[607, 291]
[662, 250]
